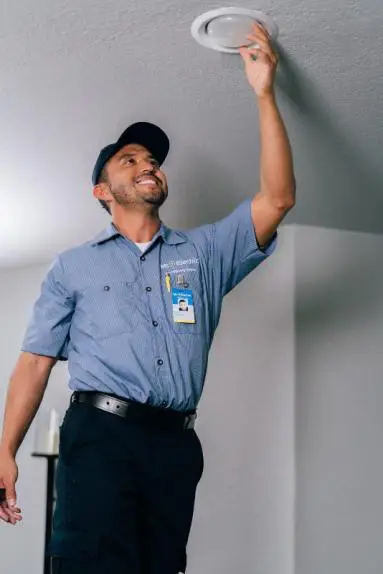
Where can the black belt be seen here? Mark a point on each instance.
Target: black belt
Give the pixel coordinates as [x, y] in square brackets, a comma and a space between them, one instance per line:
[125, 408]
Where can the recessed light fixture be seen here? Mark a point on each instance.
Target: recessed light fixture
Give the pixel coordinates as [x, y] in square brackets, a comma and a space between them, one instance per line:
[226, 29]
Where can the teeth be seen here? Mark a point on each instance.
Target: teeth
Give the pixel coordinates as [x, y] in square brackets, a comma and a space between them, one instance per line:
[145, 181]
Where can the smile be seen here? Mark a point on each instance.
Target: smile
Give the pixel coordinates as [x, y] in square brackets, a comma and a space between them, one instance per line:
[147, 181]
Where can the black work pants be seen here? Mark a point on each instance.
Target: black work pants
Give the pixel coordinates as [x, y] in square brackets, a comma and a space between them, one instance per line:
[125, 495]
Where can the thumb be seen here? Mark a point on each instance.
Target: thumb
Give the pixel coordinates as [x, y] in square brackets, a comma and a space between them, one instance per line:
[246, 56]
[10, 492]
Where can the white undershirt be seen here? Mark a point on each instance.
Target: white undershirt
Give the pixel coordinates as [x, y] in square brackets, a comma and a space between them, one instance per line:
[143, 246]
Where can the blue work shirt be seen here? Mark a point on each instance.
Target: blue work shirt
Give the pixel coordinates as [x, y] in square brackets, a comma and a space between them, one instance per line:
[105, 306]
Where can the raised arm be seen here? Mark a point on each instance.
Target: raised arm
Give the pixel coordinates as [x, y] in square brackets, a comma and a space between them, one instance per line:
[276, 193]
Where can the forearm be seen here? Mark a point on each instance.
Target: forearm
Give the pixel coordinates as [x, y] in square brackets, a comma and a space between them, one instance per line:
[25, 392]
[276, 162]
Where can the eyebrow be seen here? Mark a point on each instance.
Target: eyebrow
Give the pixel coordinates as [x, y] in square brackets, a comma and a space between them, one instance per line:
[133, 154]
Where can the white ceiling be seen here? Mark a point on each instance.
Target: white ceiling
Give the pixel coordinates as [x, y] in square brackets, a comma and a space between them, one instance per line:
[75, 74]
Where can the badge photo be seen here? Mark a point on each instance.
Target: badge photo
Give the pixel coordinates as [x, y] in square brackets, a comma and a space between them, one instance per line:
[183, 306]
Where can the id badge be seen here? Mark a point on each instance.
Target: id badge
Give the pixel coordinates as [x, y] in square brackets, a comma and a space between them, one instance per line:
[183, 306]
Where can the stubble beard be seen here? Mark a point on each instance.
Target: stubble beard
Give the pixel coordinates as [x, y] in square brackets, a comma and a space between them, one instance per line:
[131, 197]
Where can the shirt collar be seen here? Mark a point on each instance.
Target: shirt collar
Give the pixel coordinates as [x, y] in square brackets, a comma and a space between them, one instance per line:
[168, 235]
[172, 237]
[109, 232]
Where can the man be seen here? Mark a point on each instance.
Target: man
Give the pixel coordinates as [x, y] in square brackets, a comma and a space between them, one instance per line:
[182, 305]
[130, 460]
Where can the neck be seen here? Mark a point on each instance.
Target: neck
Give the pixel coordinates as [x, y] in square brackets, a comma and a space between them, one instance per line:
[137, 226]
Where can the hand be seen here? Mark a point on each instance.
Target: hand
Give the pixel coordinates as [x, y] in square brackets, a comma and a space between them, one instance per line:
[261, 70]
[8, 476]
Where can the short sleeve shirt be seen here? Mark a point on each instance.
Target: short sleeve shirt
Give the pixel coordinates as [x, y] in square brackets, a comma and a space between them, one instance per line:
[106, 307]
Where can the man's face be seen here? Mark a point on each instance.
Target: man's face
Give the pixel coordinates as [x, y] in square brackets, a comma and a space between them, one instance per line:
[135, 178]
[182, 306]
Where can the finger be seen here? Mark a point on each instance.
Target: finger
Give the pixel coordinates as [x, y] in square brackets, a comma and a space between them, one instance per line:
[261, 35]
[257, 39]
[261, 55]
[266, 55]
[259, 29]
[255, 54]
[12, 521]
[3, 514]
[264, 44]
[9, 515]
[246, 56]
[15, 519]
[10, 493]
[14, 512]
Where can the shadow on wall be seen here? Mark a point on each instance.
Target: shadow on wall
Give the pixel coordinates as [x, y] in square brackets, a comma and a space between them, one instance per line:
[208, 193]
[344, 190]
[336, 283]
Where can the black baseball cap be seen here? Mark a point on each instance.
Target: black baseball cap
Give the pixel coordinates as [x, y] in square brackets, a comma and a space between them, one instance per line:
[146, 134]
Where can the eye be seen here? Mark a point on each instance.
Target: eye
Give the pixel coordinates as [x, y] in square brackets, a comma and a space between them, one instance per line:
[155, 163]
[128, 161]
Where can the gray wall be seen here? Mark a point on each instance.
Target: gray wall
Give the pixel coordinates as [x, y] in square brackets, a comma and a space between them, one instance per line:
[339, 402]
[245, 508]
[244, 512]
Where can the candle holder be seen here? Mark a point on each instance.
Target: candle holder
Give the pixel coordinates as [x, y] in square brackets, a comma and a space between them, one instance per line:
[46, 445]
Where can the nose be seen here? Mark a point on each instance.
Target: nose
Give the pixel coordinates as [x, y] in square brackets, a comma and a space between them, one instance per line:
[146, 166]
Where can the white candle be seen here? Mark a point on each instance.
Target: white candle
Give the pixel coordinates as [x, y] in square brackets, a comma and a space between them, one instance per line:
[53, 432]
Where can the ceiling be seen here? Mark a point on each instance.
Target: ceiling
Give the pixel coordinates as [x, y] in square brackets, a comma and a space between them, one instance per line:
[75, 74]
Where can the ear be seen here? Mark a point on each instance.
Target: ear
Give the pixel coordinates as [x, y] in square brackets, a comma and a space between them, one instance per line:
[101, 191]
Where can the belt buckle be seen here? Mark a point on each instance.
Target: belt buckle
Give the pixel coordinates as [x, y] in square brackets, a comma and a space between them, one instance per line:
[189, 422]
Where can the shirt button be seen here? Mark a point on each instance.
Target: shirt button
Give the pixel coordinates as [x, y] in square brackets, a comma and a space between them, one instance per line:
[143, 258]
[106, 288]
[160, 362]
[148, 289]
[155, 324]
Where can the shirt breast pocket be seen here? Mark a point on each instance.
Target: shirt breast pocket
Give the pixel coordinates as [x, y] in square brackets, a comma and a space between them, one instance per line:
[110, 309]
[194, 284]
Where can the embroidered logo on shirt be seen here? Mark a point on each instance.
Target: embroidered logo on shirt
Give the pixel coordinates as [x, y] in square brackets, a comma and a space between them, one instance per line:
[180, 263]
[180, 266]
